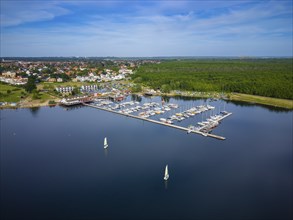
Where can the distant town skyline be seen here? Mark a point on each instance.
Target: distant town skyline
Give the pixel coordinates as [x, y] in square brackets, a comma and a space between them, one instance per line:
[145, 28]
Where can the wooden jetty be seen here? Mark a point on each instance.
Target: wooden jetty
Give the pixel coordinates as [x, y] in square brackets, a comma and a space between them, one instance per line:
[208, 127]
[162, 123]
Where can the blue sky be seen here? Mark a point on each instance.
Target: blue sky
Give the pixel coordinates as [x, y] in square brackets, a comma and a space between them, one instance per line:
[146, 28]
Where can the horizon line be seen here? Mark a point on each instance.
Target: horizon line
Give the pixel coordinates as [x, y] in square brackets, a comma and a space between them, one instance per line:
[238, 56]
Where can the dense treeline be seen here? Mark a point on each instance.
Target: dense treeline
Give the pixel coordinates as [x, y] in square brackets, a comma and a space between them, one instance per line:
[265, 77]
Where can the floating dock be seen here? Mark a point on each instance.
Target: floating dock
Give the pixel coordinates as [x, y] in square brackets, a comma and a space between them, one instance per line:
[163, 123]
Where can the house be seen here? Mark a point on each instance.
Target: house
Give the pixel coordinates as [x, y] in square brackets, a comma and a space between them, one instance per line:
[68, 89]
[9, 74]
[51, 80]
[59, 80]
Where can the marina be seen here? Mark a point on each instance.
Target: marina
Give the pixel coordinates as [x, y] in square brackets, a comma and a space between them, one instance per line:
[150, 109]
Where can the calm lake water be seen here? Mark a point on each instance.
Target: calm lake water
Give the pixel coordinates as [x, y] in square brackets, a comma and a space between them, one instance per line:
[53, 165]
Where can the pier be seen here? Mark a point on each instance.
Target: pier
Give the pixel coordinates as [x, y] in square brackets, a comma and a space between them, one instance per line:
[163, 123]
[75, 101]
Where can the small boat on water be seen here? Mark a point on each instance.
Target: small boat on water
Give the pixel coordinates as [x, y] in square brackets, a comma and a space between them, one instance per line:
[169, 121]
[163, 119]
[210, 107]
[141, 114]
[224, 112]
[200, 123]
[173, 117]
[105, 143]
[166, 176]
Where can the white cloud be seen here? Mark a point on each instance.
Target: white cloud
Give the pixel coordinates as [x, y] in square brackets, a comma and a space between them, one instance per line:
[253, 30]
[19, 12]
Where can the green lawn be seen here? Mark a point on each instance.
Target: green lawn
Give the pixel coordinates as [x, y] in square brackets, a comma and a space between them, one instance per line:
[284, 103]
[17, 92]
[13, 96]
[45, 97]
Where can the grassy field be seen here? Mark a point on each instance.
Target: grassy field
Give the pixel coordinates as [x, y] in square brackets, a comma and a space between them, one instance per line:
[18, 92]
[284, 103]
[42, 97]
[13, 96]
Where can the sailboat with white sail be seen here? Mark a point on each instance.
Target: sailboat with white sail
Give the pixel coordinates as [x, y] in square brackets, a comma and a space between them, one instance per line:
[105, 143]
[166, 177]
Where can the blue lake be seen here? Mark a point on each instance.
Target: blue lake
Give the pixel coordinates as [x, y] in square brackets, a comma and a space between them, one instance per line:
[54, 166]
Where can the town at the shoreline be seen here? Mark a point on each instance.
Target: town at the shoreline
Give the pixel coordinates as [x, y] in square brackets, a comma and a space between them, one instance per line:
[42, 83]
[32, 83]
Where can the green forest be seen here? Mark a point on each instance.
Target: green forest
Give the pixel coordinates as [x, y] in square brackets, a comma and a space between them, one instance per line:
[264, 77]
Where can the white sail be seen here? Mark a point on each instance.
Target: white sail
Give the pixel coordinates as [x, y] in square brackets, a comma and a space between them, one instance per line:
[105, 143]
[166, 177]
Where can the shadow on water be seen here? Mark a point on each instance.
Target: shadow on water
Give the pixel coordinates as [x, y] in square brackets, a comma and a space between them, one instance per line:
[166, 99]
[135, 97]
[166, 184]
[186, 98]
[70, 108]
[106, 152]
[35, 111]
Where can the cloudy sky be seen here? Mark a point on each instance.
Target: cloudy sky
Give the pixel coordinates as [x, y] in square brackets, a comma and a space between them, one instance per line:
[146, 28]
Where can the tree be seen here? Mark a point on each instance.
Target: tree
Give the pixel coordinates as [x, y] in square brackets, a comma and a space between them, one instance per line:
[36, 95]
[52, 102]
[136, 88]
[75, 91]
[31, 84]
[166, 88]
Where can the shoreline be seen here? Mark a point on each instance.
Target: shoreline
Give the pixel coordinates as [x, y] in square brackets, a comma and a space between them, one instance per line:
[28, 106]
[261, 100]
[245, 98]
